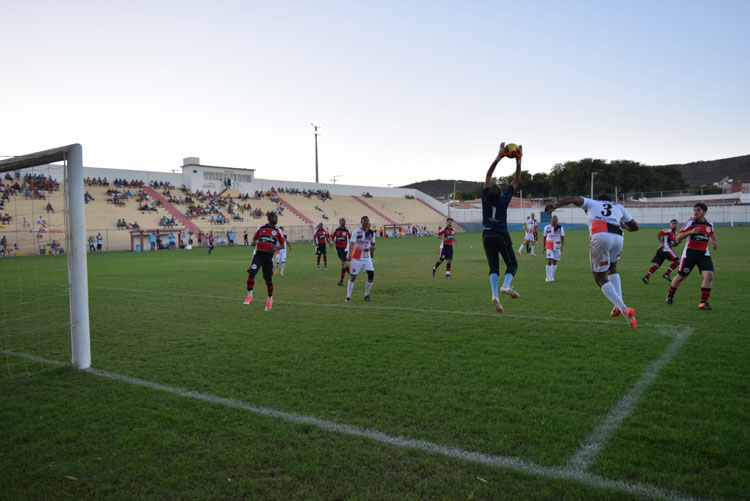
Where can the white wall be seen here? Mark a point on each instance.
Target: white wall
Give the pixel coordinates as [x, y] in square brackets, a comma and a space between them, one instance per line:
[644, 215]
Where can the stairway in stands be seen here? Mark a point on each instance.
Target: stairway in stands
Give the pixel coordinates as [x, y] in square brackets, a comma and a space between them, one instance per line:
[295, 211]
[376, 211]
[433, 208]
[178, 216]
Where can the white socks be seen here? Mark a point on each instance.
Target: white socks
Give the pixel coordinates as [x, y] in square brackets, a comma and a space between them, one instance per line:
[368, 286]
[615, 279]
[610, 291]
[349, 288]
[551, 268]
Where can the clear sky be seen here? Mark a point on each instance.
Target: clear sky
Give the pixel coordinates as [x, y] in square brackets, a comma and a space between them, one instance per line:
[404, 90]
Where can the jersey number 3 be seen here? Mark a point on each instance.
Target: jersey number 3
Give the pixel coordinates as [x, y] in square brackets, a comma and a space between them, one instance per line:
[607, 210]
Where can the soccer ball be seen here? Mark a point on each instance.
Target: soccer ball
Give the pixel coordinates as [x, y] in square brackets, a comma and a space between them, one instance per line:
[512, 150]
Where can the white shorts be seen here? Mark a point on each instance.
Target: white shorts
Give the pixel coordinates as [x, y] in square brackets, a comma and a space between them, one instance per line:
[359, 265]
[554, 254]
[605, 249]
[281, 256]
[528, 237]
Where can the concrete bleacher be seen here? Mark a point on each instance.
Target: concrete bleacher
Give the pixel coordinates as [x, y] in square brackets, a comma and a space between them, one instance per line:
[406, 211]
[337, 207]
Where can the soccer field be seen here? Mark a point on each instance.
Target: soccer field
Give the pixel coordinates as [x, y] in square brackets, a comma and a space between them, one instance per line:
[425, 392]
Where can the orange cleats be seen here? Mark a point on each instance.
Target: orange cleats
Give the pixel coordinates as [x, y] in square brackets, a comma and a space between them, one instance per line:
[630, 317]
[269, 304]
[615, 312]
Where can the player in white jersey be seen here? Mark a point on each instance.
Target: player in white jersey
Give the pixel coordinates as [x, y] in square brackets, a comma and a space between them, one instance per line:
[529, 235]
[280, 260]
[554, 240]
[606, 221]
[361, 254]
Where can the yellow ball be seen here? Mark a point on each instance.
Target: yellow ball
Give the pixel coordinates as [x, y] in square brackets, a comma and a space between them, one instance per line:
[512, 150]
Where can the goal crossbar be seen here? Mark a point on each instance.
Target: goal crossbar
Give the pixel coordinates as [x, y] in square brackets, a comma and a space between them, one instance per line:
[76, 233]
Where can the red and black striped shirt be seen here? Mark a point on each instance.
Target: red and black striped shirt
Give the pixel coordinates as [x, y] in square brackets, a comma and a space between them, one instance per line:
[268, 238]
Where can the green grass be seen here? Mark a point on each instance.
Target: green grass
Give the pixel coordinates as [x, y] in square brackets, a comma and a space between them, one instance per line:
[428, 359]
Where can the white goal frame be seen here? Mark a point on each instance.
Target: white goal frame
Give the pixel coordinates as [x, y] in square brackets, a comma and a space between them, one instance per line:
[76, 232]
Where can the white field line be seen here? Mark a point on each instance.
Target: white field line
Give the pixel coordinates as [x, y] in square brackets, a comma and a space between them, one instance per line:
[507, 462]
[389, 308]
[602, 432]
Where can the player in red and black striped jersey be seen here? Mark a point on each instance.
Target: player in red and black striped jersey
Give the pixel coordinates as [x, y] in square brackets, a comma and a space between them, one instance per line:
[340, 238]
[446, 247]
[267, 240]
[210, 240]
[699, 231]
[667, 241]
[320, 239]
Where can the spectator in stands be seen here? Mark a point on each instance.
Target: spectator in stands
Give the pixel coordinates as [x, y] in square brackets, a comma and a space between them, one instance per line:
[49, 208]
[25, 223]
[171, 241]
[92, 243]
[99, 241]
[3, 245]
[42, 222]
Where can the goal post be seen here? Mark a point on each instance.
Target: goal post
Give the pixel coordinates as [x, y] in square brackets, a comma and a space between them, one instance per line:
[72, 155]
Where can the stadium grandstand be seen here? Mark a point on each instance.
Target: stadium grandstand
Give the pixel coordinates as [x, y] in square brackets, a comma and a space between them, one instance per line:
[126, 206]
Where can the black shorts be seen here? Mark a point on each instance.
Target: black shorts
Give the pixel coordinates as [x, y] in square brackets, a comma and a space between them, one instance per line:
[662, 256]
[321, 249]
[499, 243]
[446, 252]
[341, 251]
[262, 261]
[695, 258]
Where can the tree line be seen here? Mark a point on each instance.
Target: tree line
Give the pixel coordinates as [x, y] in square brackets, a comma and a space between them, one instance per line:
[574, 178]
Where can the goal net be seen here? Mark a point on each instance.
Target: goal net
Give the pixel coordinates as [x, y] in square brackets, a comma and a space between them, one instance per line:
[43, 277]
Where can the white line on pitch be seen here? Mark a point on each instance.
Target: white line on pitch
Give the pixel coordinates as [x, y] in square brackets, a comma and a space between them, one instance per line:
[600, 435]
[387, 308]
[508, 462]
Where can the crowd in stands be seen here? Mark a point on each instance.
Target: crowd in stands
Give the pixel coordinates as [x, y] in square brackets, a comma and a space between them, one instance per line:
[124, 225]
[366, 195]
[272, 193]
[33, 186]
[118, 197]
[124, 183]
[169, 223]
[223, 210]
[5, 250]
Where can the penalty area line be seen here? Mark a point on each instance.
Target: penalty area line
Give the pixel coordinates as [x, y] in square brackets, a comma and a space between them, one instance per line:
[505, 462]
[602, 432]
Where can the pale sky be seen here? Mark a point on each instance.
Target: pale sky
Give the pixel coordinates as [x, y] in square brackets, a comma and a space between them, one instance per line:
[404, 90]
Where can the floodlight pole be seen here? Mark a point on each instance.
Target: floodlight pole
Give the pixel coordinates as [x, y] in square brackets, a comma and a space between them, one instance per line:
[315, 133]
